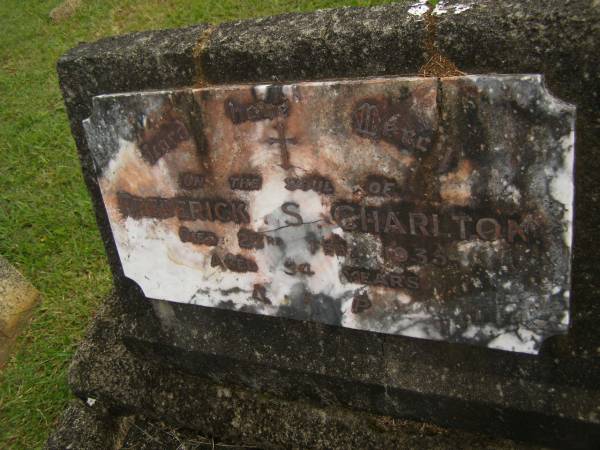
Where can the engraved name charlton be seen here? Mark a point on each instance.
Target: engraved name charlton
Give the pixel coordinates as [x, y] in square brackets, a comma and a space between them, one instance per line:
[396, 219]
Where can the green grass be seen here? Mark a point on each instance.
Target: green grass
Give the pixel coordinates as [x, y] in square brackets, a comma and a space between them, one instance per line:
[47, 229]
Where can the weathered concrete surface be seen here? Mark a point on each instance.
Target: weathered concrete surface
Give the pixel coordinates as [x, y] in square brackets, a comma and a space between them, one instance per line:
[82, 427]
[333, 43]
[105, 375]
[491, 36]
[17, 300]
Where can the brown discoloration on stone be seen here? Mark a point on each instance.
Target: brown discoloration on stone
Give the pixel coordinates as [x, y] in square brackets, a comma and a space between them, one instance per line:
[437, 64]
[456, 186]
[197, 53]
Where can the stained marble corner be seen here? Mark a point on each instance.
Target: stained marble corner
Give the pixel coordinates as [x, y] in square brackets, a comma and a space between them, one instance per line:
[432, 208]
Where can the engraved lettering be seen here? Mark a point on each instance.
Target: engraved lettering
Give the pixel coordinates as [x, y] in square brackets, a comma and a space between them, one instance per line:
[423, 143]
[253, 112]
[190, 180]
[247, 182]
[367, 218]
[158, 142]
[435, 223]
[249, 239]
[292, 268]
[235, 111]
[222, 212]
[216, 261]
[200, 210]
[367, 121]
[183, 208]
[238, 263]
[381, 186]
[393, 224]
[393, 280]
[198, 237]
[418, 220]
[345, 217]
[259, 293]
[335, 246]
[315, 183]
[240, 215]
[287, 208]
[283, 142]
[488, 229]
[515, 229]
[396, 254]
[360, 303]
[462, 221]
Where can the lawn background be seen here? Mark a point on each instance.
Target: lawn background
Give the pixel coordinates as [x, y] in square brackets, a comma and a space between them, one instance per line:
[47, 228]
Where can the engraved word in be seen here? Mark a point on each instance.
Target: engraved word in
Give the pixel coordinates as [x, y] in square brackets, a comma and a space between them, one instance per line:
[190, 180]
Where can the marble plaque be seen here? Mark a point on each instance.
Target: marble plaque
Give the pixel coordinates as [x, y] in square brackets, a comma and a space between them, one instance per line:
[431, 208]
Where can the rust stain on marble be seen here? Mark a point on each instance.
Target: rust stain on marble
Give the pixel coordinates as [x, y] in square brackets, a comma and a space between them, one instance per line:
[374, 204]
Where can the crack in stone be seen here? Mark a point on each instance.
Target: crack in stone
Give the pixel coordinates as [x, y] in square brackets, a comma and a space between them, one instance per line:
[293, 225]
[198, 53]
[437, 65]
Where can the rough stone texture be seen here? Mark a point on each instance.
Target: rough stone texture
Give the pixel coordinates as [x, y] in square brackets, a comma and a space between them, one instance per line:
[345, 42]
[83, 428]
[146, 434]
[17, 300]
[550, 398]
[105, 374]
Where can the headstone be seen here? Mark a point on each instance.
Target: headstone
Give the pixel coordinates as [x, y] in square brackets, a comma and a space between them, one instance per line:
[309, 243]
[425, 208]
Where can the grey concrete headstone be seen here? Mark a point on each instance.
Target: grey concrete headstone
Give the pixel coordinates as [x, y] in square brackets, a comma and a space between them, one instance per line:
[550, 398]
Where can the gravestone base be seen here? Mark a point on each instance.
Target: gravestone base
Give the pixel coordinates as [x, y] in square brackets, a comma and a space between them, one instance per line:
[119, 388]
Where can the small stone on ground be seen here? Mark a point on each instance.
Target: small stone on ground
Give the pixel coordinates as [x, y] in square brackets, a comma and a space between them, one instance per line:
[17, 299]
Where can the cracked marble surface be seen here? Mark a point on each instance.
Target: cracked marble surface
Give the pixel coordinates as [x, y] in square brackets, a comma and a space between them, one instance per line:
[436, 209]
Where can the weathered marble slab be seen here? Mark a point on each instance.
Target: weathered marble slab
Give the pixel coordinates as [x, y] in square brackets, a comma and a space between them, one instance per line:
[438, 209]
